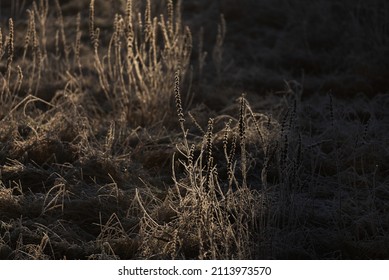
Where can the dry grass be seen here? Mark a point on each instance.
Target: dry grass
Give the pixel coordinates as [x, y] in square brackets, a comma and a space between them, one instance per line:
[120, 138]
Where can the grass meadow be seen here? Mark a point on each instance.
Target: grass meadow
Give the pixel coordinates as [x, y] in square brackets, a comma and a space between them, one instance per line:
[194, 129]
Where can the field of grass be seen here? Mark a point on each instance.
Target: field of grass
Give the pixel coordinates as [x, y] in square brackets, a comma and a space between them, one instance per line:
[194, 129]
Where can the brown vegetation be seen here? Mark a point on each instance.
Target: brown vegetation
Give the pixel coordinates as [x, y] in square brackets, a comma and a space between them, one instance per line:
[124, 133]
